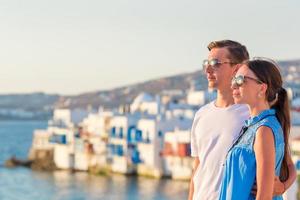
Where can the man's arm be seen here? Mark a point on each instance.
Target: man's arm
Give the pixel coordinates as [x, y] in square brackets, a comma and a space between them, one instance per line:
[195, 166]
[281, 187]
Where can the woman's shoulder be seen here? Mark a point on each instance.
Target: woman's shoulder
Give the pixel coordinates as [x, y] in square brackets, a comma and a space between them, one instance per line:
[271, 122]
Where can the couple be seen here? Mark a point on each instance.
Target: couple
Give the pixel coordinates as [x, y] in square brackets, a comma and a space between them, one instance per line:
[240, 140]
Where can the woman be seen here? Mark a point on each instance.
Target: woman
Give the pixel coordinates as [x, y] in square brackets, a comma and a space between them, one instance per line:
[261, 151]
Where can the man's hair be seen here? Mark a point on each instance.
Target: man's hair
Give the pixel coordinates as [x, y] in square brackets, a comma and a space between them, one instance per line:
[238, 53]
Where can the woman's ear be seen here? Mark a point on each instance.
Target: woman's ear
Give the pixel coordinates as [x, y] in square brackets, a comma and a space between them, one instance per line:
[263, 88]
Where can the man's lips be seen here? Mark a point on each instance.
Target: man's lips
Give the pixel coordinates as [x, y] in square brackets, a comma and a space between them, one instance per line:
[211, 78]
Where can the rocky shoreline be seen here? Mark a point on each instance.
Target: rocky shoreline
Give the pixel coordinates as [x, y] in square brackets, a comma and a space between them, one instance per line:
[38, 160]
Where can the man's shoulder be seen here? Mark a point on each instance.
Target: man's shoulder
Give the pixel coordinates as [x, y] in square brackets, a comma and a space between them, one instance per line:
[239, 108]
[204, 108]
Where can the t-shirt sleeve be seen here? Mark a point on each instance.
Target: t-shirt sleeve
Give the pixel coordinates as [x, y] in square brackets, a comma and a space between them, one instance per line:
[194, 147]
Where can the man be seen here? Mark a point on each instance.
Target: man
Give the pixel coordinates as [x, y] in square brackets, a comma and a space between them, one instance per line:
[217, 124]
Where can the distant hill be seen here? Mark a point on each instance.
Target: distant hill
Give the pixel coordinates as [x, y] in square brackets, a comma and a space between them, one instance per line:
[123, 95]
[27, 106]
[40, 105]
[30, 102]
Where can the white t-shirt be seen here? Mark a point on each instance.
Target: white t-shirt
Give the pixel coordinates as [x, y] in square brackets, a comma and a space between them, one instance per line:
[213, 132]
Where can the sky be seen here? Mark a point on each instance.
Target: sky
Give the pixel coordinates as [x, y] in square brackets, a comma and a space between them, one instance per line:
[71, 47]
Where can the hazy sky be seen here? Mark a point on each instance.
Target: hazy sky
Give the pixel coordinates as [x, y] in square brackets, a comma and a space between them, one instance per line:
[71, 46]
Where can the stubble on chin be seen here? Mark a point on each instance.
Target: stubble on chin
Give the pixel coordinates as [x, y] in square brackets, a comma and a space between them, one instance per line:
[212, 85]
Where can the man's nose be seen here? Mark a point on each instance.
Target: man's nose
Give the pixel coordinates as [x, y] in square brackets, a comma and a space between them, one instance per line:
[208, 69]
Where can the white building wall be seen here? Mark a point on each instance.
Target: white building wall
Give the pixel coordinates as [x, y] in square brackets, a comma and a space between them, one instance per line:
[151, 108]
[148, 128]
[147, 154]
[120, 121]
[150, 152]
[99, 146]
[63, 131]
[81, 161]
[62, 157]
[176, 166]
[196, 98]
[178, 136]
[96, 124]
[62, 114]
[120, 165]
[41, 140]
[123, 122]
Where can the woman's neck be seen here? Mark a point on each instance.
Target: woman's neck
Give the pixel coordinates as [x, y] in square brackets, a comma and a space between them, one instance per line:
[258, 108]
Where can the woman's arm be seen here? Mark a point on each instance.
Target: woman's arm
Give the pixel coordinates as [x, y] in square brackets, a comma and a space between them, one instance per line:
[264, 148]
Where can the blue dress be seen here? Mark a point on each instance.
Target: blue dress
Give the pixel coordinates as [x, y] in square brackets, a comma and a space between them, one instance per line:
[240, 167]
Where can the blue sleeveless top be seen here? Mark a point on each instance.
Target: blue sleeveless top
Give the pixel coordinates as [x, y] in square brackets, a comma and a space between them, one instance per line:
[239, 173]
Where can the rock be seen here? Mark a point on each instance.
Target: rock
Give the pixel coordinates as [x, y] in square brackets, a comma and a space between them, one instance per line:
[14, 162]
[42, 160]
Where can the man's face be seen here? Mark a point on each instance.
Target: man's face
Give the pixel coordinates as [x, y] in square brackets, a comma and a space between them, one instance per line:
[219, 76]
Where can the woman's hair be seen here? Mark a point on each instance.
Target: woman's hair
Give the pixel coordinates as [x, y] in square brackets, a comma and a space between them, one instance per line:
[268, 72]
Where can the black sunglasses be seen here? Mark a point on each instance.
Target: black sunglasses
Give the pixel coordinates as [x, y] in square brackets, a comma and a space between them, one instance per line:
[240, 80]
[214, 63]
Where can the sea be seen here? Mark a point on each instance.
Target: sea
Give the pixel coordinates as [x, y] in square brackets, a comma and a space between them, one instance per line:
[21, 183]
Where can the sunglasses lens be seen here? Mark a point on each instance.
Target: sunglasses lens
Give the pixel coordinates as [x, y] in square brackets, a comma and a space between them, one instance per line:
[213, 62]
[239, 80]
[205, 63]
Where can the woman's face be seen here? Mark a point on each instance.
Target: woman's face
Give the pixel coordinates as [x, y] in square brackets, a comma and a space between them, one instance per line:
[246, 87]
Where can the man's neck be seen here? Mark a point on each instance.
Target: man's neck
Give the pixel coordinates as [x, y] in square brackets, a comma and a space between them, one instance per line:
[224, 98]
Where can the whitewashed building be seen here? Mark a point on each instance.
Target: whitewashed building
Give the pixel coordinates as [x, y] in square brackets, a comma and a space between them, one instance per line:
[63, 141]
[176, 152]
[119, 147]
[67, 117]
[146, 103]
